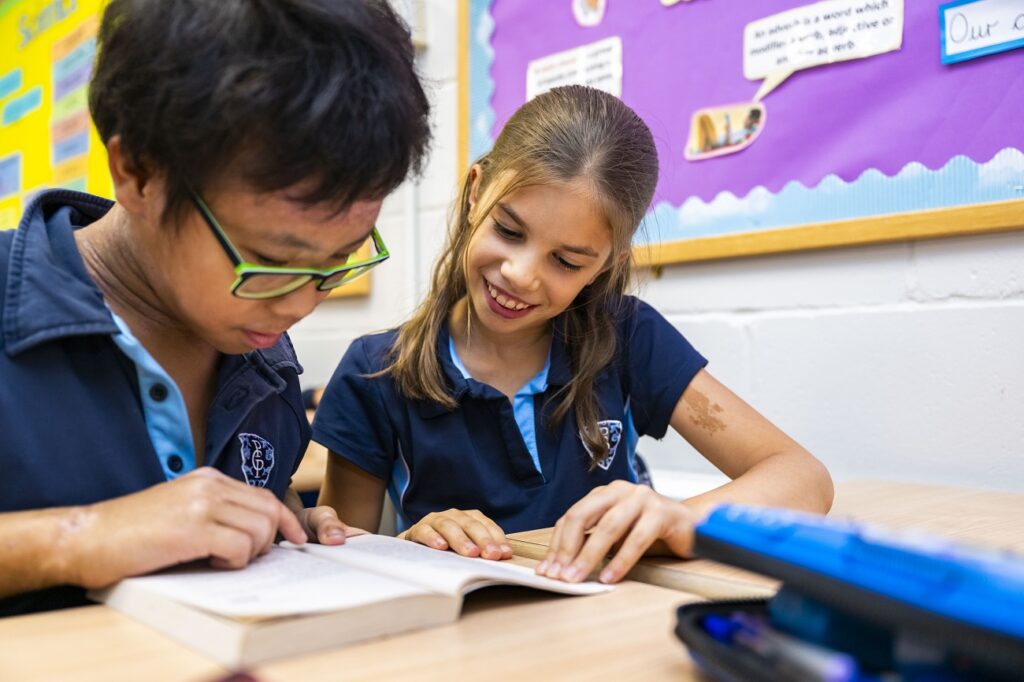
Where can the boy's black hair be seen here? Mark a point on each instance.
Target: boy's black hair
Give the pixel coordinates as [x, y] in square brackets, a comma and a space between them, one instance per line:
[277, 92]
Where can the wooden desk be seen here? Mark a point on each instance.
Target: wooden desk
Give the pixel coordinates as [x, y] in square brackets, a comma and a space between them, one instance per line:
[982, 518]
[504, 633]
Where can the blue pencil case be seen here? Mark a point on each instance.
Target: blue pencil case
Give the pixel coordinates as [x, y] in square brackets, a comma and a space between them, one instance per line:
[857, 603]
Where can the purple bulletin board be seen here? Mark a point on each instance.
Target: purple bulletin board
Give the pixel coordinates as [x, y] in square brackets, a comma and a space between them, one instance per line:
[884, 148]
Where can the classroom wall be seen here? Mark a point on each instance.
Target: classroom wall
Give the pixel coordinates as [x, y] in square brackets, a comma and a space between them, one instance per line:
[899, 361]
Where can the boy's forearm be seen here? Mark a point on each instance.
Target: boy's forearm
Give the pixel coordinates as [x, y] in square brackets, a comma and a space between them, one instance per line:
[40, 548]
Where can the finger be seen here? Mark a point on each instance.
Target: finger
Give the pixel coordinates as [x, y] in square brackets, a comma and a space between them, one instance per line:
[425, 535]
[258, 527]
[264, 502]
[613, 526]
[497, 534]
[482, 536]
[324, 526]
[229, 548]
[553, 544]
[451, 530]
[288, 525]
[646, 530]
[574, 524]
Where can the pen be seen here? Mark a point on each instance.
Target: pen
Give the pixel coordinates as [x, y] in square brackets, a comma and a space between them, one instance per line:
[788, 657]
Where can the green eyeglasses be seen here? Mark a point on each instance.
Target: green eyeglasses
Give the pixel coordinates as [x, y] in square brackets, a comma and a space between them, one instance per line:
[263, 281]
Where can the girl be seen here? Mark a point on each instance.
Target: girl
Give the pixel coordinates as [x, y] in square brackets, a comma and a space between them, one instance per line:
[149, 397]
[514, 397]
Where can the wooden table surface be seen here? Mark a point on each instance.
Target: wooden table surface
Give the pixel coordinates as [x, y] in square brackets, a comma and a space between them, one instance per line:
[504, 633]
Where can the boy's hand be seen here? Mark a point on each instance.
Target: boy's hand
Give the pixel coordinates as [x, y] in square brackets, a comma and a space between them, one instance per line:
[202, 514]
[468, 533]
[323, 525]
[630, 516]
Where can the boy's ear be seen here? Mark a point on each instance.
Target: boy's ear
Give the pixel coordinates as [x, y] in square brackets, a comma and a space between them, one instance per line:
[133, 186]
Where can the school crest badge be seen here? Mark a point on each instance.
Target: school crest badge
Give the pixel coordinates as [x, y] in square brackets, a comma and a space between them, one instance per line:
[257, 459]
[611, 429]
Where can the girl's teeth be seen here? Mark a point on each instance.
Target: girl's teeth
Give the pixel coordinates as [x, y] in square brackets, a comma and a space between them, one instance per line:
[504, 301]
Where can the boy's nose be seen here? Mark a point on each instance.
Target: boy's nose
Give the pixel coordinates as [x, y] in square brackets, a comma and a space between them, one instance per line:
[299, 303]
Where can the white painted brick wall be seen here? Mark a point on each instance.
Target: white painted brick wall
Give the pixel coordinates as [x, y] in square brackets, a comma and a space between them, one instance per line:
[898, 361]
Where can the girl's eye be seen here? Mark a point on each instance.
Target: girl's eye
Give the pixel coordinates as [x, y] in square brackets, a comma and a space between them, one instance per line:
[505, 232]
[566, 265]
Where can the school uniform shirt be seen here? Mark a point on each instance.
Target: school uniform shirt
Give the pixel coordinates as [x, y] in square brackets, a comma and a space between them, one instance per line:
[86, 413]
[509, 459]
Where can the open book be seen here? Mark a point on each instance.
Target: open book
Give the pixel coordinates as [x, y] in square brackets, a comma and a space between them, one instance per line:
[296, 600]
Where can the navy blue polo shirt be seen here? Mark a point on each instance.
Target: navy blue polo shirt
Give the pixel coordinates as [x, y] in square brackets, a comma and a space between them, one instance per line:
[72, 416]
[479, 455]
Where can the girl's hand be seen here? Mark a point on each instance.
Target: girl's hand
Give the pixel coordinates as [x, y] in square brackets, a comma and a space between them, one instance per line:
[323, 525]
[631, 516]
[468, 533]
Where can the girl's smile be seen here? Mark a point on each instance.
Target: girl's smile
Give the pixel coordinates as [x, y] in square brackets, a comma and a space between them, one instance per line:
[505, 304]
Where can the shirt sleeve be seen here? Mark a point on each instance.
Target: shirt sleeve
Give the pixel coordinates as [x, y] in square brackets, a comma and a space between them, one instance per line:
[659, 364]
[351, 419]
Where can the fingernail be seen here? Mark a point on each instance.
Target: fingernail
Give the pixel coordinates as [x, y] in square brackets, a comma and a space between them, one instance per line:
[505, 549]
[542, 567]
[439, 543]
[554, 570]
[569, 572]
[607, 575]
[492, 550]
[335, 533]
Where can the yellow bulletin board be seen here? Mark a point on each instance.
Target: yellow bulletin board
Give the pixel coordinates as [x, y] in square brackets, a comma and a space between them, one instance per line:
[46, 136]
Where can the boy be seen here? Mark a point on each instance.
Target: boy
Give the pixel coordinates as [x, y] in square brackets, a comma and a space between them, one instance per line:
[149, 397]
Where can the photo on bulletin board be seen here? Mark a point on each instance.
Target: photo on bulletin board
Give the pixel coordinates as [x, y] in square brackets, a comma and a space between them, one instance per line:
[781, 125]
[47, 139]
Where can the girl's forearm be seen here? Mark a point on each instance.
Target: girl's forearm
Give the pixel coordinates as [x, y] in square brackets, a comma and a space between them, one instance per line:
[793, 479]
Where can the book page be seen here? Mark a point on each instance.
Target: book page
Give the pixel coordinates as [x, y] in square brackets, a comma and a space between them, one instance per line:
[280, 583]
[442, 571]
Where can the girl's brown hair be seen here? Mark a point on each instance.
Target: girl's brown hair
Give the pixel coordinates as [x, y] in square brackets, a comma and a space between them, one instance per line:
[567, 134]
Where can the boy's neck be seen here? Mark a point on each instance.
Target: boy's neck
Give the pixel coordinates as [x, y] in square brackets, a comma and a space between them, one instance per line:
[113, 261]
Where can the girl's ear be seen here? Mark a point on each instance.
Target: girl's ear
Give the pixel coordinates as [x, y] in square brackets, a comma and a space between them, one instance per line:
[612, 262]
[475, 173]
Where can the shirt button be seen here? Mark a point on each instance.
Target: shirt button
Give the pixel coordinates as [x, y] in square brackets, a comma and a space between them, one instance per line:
[158, 392]
[175, 463]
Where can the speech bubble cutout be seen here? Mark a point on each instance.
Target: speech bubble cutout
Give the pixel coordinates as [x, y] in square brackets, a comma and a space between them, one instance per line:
[823, 33]
[727, 129]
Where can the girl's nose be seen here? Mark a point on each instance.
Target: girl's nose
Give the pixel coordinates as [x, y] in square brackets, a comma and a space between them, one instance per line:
[520, 272]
